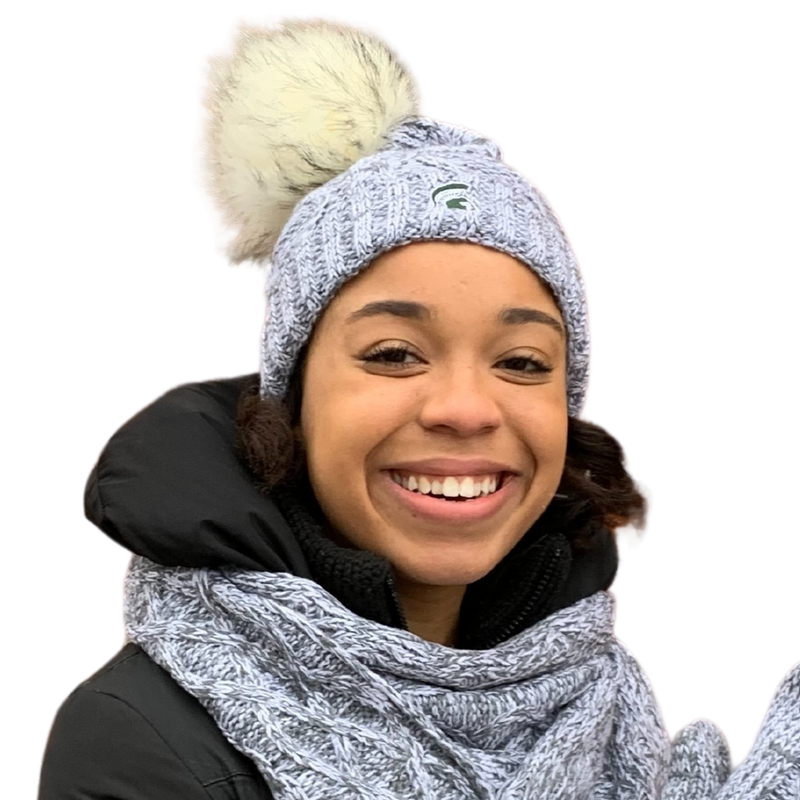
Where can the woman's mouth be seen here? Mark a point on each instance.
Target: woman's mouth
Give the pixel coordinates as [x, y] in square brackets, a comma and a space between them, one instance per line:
[450, 498]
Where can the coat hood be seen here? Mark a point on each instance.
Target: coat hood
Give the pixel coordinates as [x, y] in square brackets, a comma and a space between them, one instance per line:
[171, 486]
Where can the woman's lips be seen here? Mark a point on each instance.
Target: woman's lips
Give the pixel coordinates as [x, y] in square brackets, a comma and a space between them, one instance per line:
[453, 511]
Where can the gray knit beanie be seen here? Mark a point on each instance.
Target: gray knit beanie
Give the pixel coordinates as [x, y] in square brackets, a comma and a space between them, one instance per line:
[320, 159]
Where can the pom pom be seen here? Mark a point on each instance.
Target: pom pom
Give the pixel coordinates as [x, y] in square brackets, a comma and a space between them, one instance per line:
[291, 109]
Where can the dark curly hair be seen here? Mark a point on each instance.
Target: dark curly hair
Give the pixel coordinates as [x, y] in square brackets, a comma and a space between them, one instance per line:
[596, 492]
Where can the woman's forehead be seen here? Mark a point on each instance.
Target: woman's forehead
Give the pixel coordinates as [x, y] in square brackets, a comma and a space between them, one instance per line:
[424, 280]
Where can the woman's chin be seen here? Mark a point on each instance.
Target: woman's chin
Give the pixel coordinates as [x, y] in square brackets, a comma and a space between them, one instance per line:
[436, 569]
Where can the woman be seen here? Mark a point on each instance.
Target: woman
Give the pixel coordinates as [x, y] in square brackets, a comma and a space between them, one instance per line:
[395, 586]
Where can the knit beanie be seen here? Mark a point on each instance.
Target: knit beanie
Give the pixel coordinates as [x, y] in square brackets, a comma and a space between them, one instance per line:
[320, 159]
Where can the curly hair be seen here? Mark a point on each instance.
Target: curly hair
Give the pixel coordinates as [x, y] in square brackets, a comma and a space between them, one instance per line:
[595, 493]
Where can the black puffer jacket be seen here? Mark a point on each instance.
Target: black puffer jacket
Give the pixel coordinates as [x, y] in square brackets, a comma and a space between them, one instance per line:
[171, 486]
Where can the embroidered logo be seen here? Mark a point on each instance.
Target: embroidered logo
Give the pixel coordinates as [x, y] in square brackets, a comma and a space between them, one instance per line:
[452, 195]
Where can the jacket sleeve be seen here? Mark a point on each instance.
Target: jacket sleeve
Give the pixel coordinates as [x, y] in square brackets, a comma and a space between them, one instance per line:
[101, 748]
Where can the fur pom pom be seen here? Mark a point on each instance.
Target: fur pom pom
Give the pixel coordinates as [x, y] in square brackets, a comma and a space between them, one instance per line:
[291, 109]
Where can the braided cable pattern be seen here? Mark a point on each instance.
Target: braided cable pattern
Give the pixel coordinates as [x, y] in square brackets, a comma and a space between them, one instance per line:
[329, 704]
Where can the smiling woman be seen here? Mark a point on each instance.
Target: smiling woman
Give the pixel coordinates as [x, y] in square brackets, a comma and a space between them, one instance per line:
[459, 400]
[379, 569]
[393, 398]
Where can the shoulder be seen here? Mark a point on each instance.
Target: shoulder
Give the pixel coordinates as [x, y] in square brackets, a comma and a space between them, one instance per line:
[130, 732]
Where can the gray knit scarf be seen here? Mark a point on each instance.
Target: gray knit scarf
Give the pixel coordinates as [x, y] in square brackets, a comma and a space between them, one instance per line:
[330, 705]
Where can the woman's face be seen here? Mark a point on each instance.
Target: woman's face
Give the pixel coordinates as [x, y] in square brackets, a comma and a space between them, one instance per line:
[439, 371]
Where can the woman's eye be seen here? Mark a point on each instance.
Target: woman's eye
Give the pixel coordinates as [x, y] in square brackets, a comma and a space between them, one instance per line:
[536, 367]
[394, 356]
[390, 355]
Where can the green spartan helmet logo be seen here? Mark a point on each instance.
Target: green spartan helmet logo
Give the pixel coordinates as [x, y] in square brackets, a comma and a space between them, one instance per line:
[453, 195]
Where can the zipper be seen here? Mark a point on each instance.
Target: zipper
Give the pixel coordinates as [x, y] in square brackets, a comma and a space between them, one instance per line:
[545, 582]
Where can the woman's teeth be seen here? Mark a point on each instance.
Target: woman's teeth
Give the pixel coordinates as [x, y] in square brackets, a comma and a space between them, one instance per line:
[450, 487]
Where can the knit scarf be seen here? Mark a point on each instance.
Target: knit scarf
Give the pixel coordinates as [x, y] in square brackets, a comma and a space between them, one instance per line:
[331, 705]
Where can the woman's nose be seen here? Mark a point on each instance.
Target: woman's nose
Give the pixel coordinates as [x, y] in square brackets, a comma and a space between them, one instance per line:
[460, 400]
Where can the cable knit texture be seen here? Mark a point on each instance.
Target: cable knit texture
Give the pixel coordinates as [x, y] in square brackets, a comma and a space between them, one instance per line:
[329, 704]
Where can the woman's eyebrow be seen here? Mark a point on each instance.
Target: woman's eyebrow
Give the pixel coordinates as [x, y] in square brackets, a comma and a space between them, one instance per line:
[408, 309]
